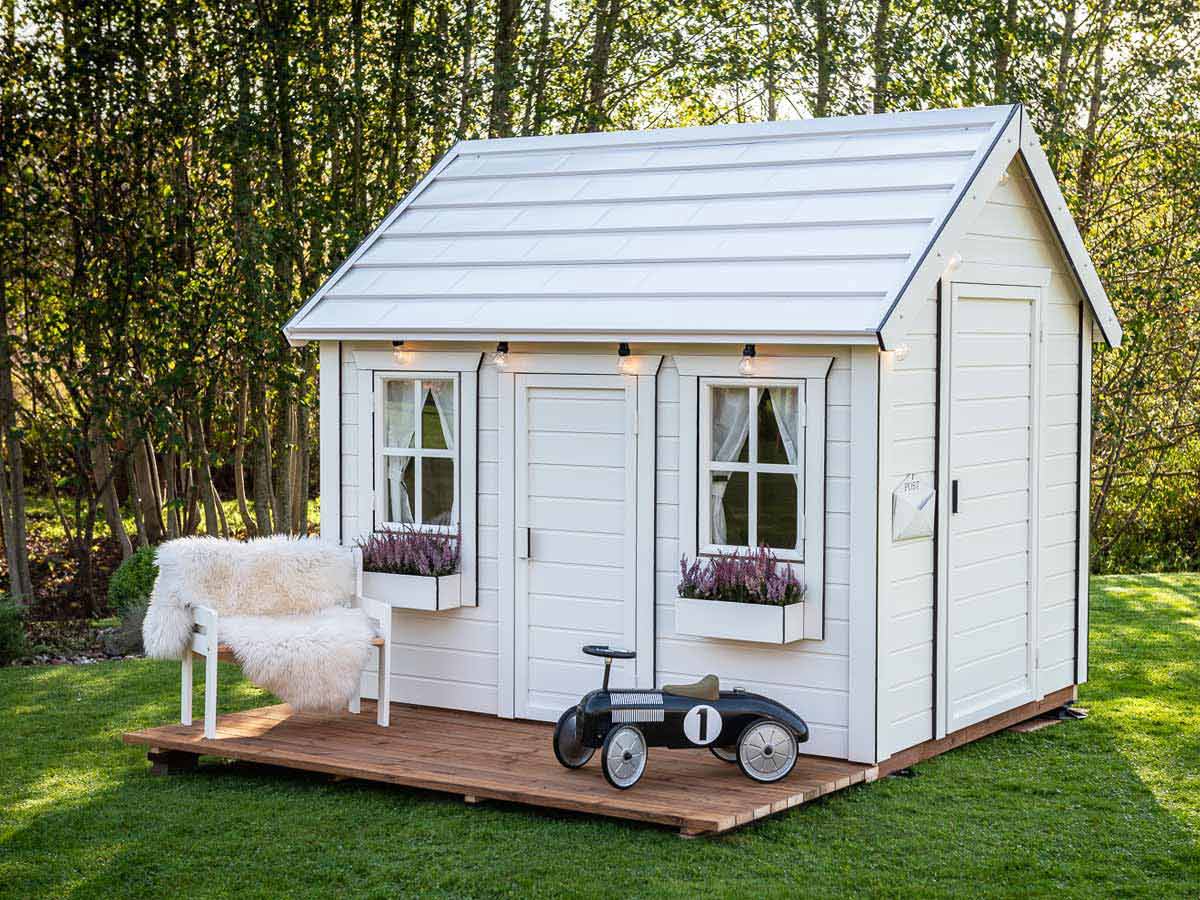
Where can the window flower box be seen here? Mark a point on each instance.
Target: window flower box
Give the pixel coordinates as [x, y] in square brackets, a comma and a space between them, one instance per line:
[760, 622]
[411, 569]
[432, 593]
[753, 597]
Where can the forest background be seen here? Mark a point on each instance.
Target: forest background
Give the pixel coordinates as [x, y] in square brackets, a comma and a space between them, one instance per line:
[176, 178]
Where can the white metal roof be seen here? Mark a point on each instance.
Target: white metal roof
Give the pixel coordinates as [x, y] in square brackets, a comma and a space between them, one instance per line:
[801, 230]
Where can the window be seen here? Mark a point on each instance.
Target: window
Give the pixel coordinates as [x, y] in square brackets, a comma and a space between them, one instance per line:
[417, 464]
[752, 466]
[752, 463]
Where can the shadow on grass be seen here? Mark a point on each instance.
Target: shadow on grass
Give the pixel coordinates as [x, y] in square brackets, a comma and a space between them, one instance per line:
[1093, 808]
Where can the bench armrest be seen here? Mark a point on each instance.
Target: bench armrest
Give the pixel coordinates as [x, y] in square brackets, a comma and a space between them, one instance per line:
[204, 631]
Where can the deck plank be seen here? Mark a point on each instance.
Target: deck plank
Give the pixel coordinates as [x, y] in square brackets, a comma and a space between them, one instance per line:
[484, 757]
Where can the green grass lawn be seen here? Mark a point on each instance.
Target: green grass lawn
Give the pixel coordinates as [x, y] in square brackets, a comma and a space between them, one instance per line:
[1109, 806]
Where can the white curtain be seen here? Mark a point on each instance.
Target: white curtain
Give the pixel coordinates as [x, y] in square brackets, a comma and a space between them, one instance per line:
[730, 430]
[443, 399]
[785, 402]
[400, 429]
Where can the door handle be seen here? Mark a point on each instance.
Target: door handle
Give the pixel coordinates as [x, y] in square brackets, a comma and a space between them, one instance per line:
[954, 496]
[524, 543]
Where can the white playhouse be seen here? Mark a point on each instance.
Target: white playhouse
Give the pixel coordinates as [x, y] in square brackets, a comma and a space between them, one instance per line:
[862, 342]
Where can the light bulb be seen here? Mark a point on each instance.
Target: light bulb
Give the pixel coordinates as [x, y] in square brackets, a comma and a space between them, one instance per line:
[500, 357]
[901, 352]
[1004, 178]
[400, 353]
[955, 262]
[746, 366]
[625, 361]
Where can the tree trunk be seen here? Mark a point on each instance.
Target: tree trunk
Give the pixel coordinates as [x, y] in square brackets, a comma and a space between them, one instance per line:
[881, 56]
[146, 497]
[467, 39]
[536, 90]
[358, 191]
[608, 13]
[261, 456]
[1054, 139]
[102, 477]
[504, 67]
[1090, 153]
[824, 54]
[1006, 34]
[239, 457]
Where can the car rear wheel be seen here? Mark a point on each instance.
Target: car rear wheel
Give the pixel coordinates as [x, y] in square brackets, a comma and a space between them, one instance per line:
[568, 746]
[623, 756]
[766, 751]
[724, 754]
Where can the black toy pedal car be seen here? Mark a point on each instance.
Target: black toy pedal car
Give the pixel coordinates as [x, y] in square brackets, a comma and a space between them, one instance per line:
[757, 733]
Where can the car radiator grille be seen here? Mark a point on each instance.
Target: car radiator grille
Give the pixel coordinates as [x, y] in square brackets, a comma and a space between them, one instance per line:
[626, 716]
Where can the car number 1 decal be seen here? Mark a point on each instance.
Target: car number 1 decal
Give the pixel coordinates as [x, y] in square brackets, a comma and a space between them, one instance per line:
[702, 724]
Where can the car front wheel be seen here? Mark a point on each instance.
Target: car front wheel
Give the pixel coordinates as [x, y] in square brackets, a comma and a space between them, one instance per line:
[623, 756]
[766, 751]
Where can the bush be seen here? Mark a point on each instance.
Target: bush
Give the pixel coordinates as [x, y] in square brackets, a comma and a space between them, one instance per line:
[130, 586]
[12, 631]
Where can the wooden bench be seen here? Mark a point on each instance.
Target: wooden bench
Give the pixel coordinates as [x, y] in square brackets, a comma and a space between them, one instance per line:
[206, 642]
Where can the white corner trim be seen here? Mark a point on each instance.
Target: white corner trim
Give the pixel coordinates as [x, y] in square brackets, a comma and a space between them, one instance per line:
[764, 366]
[330, 412]
[864, 605]
[968, 201]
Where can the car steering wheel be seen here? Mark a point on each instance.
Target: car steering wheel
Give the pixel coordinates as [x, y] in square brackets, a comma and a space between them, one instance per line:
[609, 652]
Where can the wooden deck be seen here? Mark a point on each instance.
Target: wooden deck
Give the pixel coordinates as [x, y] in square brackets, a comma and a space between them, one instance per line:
[482, 757]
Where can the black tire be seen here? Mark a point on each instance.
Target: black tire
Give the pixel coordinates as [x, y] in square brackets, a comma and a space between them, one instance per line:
[623, 756]
[568, 748]
[724, 754]
[766, 751]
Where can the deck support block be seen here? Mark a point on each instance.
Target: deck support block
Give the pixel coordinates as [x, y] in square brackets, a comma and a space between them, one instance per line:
[172, 762]
[470, 799]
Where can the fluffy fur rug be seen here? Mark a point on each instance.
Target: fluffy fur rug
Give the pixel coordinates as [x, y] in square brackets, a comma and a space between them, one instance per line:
[284, 607]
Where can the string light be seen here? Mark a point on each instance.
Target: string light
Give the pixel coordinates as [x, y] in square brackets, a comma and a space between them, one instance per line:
[746, 366]
[500, 357]
[624, 360]
[901, 352]
[401, 354]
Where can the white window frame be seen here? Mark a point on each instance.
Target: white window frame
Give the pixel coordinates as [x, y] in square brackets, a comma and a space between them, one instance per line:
[417, 452]
[374, 364]
[696, 376]
[752, 469]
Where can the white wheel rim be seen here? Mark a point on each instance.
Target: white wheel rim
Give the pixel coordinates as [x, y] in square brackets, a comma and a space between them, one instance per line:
[767, 751]
[626, 756]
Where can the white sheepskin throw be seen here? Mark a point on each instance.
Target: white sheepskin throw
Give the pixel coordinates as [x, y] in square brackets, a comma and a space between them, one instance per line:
[284, 608]
[312, 662]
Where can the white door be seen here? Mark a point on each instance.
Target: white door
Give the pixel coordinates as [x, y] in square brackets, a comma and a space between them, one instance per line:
[994, 385]
[576, 535]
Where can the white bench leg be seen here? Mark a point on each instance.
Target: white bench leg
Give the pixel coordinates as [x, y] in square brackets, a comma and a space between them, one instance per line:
[356, 700]
[385, 684]
[185, 688]
[210, 695]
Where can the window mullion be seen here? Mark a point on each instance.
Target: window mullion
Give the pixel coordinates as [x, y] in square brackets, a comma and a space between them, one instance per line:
[752, 480]
[418, 440]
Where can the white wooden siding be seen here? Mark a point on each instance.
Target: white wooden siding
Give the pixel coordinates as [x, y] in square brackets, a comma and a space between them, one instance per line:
[906, 602]
[447, 658]
[1013, 232]
[811, 676]
[1011, 242]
